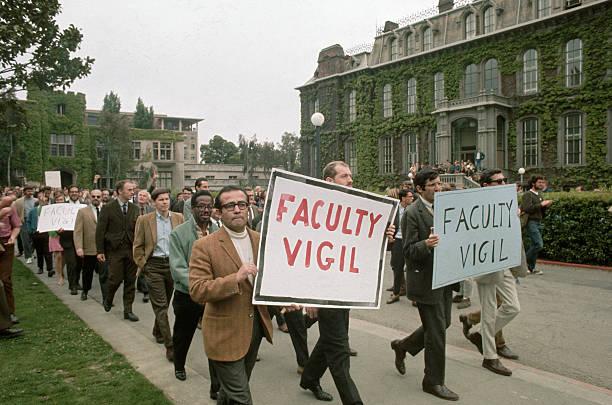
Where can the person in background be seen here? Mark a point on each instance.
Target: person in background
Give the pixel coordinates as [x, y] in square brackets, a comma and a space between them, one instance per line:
[534, 205]
[55, 247]
[200, 184]
[10, 227]
[24, 205]
[40, 240]
[84, 237]
[397, 252]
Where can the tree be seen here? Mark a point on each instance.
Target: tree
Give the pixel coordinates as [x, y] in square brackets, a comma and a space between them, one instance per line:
[248, 155]
[35, 51]
[143, 117]
[290, 149]
[219, 150]
[112, 103]
[115, 136]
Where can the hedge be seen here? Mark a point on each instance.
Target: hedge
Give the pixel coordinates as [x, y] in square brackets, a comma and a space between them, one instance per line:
[578, 228]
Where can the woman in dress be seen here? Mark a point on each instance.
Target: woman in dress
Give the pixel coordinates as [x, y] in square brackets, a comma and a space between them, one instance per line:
[54, 245]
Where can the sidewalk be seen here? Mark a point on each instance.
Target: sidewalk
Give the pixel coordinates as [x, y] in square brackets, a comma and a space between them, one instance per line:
[275, 380]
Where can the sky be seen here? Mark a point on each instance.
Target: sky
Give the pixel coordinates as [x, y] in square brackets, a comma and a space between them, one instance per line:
[235, 64]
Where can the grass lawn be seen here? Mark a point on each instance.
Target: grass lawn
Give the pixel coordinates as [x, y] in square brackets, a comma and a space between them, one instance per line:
[60, 360]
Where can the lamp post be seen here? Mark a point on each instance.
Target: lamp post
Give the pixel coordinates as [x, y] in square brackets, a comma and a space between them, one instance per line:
[521, 171]
[317, 120]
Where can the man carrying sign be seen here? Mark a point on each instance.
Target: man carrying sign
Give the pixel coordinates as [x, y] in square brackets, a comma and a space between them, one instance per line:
[434, 305]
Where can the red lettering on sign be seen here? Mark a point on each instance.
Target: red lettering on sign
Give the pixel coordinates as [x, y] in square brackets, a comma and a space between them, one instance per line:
[328, 261]
[302, 213]
[281, 205]
[347, 216]
[332, 227]
[291, 256]
[313, 217]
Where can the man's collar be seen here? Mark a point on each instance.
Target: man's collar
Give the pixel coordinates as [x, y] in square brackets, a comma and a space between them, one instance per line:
[427, 203]
[159, 215]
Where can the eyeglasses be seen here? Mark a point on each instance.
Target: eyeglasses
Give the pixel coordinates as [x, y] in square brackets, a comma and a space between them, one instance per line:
[500, 181]
[96, 196]
[203, 207]
[232, 205]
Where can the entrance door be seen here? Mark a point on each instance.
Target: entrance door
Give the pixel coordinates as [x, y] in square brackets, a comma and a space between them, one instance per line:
[464, 139]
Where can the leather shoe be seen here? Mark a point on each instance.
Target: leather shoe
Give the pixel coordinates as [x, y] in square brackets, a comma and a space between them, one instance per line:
[400, 355]
[130, 316]
[300, 370]
[170, 354]
[496, 366]
[107, 305]
[466, 325]
[441, 391]
[145, 298]
[214, 395]
[352, 352]
[319, 393]
[457, 298]
[40, 271]
[180, 375]
[505, 352]
[51, 273]
[73, 291]
[10, 333]
[393, 298]
[476, 340]
[159, 340]
[83, 296]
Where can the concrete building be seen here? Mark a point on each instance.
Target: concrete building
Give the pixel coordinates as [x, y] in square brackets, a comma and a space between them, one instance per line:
[220, 175]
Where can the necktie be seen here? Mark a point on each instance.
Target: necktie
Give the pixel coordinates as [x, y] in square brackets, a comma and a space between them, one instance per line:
[141, 210]
[125, 209]
[97, 213]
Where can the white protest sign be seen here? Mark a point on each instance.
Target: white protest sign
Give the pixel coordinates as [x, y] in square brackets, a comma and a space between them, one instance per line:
[480, 233]
[53, 179]
[58, 216]
[322, 244]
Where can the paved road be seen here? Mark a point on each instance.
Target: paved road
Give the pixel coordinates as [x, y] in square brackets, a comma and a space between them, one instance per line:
[562, 335]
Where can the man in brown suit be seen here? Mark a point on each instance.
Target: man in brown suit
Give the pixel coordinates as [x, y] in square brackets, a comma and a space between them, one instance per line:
[84, 237]
[152, 255]
[222, 269]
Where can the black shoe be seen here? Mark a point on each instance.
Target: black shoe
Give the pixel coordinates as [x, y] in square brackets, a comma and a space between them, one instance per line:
[73, 291]
[466, 325]
[145, 298]
[214, 395]
[84, 296]
[180, 375]
[159, 340]
[14, 319]
[400, 355]
[130, 316]
[318, 393]
[496, 366]
[441, 391]
[40, 271]
[10, 333]
[107, 305]
[476, 340]
[457, 298]
[51, 273]
[505, 352]
[353, 352]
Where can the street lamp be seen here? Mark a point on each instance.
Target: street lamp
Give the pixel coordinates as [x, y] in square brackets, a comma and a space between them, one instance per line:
[317, 120]
[521, 171]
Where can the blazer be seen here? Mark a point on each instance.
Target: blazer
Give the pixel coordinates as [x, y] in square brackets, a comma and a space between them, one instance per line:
[115, 230]
[145, 235]
[84, 235]
[228, 314]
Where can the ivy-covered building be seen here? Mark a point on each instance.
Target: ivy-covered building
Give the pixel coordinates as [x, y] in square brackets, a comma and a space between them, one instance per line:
[62, 135]
[528, 83]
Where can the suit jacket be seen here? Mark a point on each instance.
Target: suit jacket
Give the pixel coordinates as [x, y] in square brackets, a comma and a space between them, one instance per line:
[84, 235]
[416, 228]
[115, 230]
[145, 235]
[228, 315]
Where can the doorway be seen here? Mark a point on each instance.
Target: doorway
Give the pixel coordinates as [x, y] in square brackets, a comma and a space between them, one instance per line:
[464, 139]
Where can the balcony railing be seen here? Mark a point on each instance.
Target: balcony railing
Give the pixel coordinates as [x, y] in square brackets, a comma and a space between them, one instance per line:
[467, 102]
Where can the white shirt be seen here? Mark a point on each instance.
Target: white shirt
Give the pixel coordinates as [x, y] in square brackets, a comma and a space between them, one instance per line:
[242, 243]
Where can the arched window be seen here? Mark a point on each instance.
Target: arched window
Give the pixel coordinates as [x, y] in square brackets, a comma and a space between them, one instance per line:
[352, 106]
[531, 142]
[394, 49]
[427, 39]
[543, 9]
[530, 71]
[409, 44]
[491, 76]
[489, 20]
[470, 26]
[573, 63]
[412, 96]
[470, 81]
[438, 88]
[387, 101]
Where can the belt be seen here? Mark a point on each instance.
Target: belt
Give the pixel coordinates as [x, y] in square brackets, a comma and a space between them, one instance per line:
[160, 258]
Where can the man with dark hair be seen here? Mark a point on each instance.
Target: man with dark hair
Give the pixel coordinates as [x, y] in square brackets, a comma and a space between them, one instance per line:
[85, 241]
[114, 239]
[535, 206]
[434, 306]
[10, 227]
[200, 184]
[73, 262]
[152, 255]
[397, 253]
[221, 275]
[24, 205]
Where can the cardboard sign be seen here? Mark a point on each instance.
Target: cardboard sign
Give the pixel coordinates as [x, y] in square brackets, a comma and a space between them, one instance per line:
[53, 179]
[480, 233]
[58, 216]
[322, 244]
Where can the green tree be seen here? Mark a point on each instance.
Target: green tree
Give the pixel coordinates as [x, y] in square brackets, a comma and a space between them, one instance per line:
[248, 155]
[289, 148]
[219, 150]
[112, 103]
[143, 117]
[115, 136]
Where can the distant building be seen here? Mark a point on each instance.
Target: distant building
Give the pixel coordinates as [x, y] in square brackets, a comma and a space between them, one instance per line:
[220, 175]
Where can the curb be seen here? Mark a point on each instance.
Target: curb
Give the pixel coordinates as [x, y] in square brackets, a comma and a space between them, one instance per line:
[576, 265]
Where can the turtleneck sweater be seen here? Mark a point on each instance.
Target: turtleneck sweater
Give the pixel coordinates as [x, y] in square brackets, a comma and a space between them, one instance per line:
[242, 243]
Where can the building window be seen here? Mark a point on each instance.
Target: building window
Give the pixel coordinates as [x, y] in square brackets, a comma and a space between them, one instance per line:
[394, 48]
[387, 101]
[489, 20]
[543, 8]
[530, 71]
[410, 147]
[233, 177]
[530, 142]
[164, 180]
[92, 119]
[62, 145]
[491, 76]
[386, 155]
[573, 139]
[573, 63]
[350, 154]
[412, 96]
[470, 26]
[352, 106]
[427, 39]
[438, 88]
[136, 150]
[409, 45]
[162, 150]
[60, 109]
[316, 105]
[470, 81]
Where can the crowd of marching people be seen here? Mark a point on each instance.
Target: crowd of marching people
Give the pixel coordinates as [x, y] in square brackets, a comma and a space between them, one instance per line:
[197, 253]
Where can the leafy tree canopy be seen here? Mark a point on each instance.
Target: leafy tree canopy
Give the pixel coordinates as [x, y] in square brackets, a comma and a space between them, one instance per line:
[219, 150]
[112, 103]
[143, 117]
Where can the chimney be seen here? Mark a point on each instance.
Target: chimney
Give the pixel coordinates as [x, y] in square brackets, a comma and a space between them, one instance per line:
[445, 5]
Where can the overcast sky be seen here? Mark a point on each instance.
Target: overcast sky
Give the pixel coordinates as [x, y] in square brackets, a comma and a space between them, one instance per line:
[233, 63]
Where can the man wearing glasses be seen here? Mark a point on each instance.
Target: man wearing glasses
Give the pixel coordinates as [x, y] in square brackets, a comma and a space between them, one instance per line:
[221, 274]
[85, 239]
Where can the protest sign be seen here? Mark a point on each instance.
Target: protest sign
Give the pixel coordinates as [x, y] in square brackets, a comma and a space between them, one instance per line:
[53, 179]
[480, 233]
[58, 216]
[322, 244]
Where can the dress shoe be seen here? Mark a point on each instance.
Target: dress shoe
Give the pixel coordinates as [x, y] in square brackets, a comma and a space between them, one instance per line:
[51, 273]
[393, 298]
[214, 395]
[318, 393]
[441, 391]
[353, 352]
[9, 333]
[414, 304]
[107, 305]
[29, 260]
[180, 375]
[300, 370]
[457, 298]
[13, 319]
[84, 296]
[505, 352]
[400, 355]
[73, 291]
[170, 354]
[40, 271]
[496, 366]
[145, 298]
[465, 303]
[130, 316]
[159, 340]
[466, 325]
[476, 340]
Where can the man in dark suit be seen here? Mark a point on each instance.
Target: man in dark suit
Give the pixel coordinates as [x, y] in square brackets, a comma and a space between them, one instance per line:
[114, 240]
[397, 249]
[434, 305]
[74, 263]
